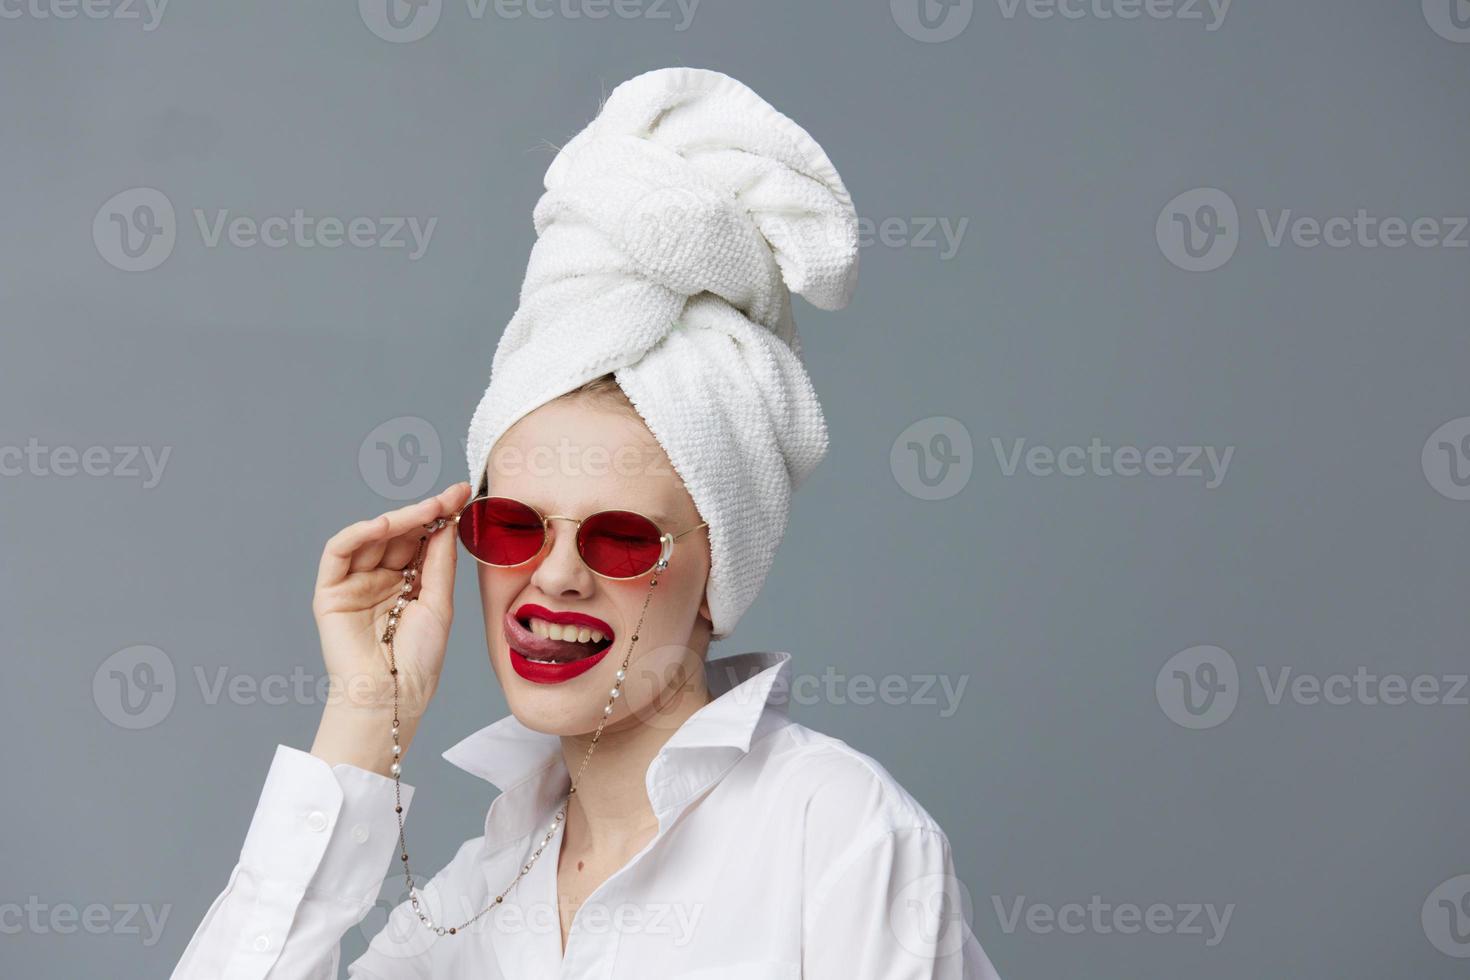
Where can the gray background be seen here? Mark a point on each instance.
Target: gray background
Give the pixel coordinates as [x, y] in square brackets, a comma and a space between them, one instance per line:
[1057, 599]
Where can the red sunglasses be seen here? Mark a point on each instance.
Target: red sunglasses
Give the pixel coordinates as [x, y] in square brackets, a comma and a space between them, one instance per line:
[616, 544]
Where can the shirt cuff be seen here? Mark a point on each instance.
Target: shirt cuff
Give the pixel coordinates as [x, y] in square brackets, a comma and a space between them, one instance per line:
[331, 829]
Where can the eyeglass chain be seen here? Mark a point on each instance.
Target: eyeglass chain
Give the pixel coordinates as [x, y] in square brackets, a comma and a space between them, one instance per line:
[410, 576]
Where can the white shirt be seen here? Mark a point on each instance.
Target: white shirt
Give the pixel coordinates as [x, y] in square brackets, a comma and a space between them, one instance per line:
[780, 853]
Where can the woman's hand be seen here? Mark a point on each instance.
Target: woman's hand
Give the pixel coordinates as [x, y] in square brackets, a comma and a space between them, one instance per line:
[360, 578]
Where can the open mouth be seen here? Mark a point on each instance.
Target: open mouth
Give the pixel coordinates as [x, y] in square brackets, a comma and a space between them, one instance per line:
[542, 636]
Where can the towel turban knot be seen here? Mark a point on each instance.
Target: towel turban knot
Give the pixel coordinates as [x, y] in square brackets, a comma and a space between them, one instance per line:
[672, 233]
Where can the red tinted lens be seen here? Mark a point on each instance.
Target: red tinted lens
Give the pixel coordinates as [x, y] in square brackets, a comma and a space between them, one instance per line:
[501, 531]
[619, 544]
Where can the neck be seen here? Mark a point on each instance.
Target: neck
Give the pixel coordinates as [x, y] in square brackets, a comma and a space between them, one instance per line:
[610, 811]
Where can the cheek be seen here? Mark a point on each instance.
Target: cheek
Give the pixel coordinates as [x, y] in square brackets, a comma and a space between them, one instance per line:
[693, 585]
[659, 680]
[497, 588]
[674, 605]
[487, 586]
[670, 620]
[498, 591]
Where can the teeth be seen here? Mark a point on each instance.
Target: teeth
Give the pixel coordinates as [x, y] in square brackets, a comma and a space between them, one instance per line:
[567, 633]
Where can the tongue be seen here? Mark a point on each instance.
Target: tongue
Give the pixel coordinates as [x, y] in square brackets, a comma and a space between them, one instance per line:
[562, 650]
[544, 648]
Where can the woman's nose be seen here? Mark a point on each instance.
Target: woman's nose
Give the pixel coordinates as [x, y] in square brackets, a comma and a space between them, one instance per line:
[561, 571]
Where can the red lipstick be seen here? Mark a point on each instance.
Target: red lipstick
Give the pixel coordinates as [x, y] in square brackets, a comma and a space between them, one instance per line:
[532, 611]
[569, 659]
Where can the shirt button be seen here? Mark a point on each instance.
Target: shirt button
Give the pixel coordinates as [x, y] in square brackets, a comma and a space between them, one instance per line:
[262, 943]
[316, 821]
[360, 833]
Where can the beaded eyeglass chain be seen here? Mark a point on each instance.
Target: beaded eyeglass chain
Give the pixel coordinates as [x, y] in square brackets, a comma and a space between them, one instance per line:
[406, 595]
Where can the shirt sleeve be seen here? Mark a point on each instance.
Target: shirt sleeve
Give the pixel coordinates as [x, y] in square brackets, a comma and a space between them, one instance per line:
[893, 907]
[311, 867]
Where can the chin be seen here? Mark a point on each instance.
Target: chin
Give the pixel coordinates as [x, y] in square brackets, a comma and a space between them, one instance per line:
[565, 707]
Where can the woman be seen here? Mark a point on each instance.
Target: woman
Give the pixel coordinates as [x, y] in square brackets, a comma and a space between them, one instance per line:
[633, 457]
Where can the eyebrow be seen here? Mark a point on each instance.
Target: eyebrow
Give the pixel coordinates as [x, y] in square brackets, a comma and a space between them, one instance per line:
[664, 521]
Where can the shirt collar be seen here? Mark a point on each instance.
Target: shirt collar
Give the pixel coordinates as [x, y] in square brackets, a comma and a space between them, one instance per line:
[528, 767]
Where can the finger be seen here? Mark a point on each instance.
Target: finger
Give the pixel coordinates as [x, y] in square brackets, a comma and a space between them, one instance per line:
[395, 553]
[376, 585]
[337, 555]
[436, 585]
[367, 557]
[399, 552]
[365, 590]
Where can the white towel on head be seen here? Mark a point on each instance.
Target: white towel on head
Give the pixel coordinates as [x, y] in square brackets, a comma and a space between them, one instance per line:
[673, 230]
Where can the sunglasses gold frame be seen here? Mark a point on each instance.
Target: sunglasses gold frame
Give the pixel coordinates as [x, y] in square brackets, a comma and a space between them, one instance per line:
[666, 538]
